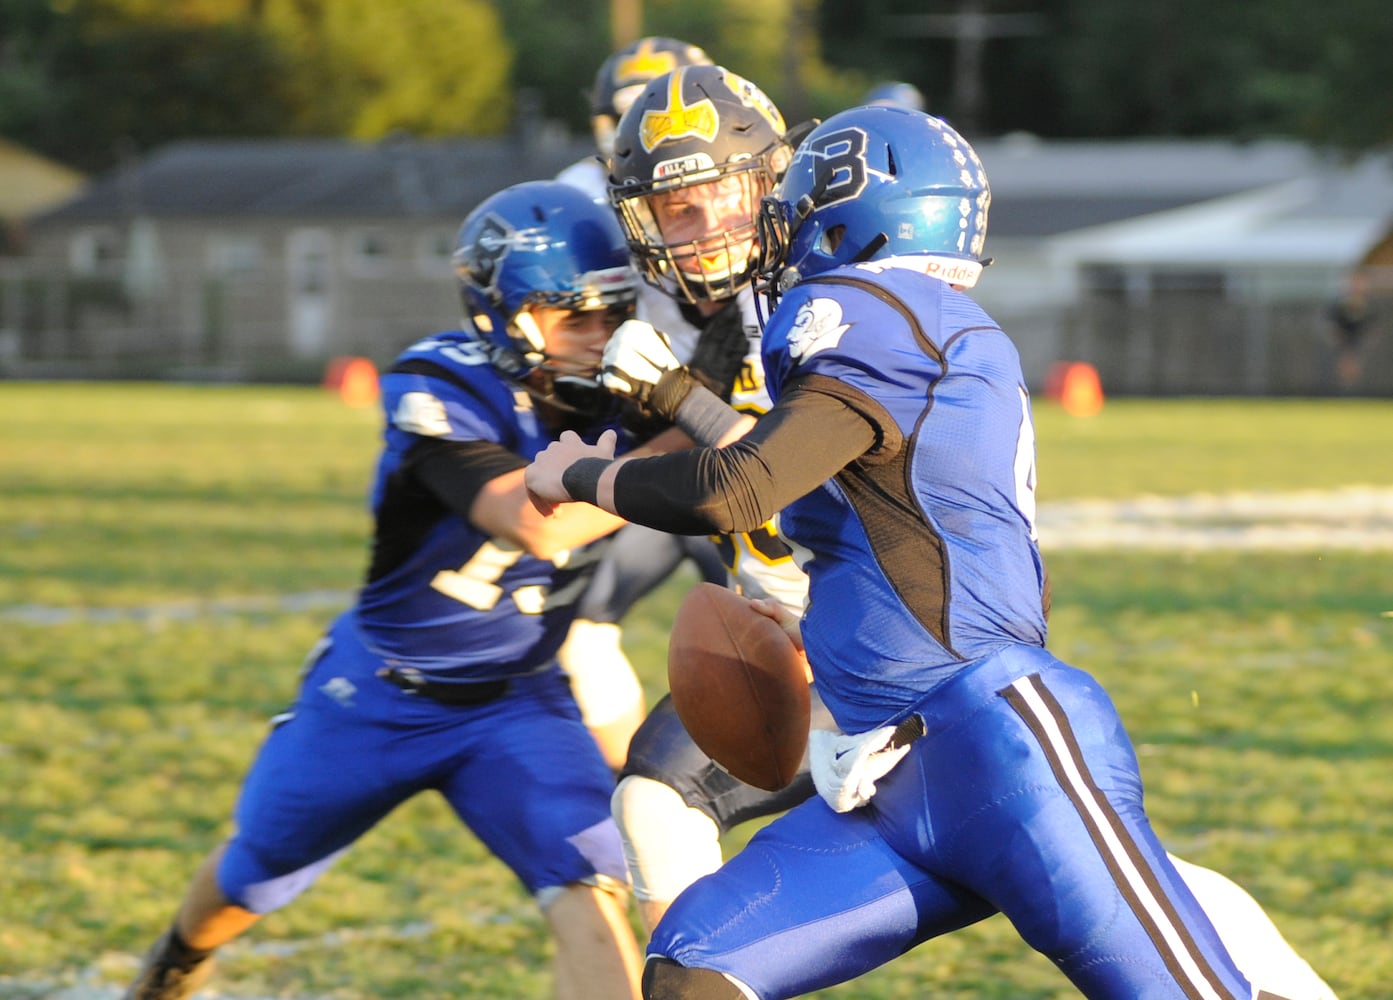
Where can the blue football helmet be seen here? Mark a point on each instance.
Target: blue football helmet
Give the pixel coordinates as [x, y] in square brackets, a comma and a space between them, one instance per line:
[540, 243]
[874, 182]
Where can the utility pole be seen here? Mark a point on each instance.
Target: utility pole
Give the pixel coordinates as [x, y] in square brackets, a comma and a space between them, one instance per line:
[802, 16]
[970, 29]
[625, 22]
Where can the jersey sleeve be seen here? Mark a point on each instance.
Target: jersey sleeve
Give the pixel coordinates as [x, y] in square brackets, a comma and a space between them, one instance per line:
[456, 472]
[429, 406]
[738, 488]
[848, 343]
[443, 426]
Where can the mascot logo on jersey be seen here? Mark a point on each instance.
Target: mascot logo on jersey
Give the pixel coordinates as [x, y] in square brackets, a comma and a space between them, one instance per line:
[679, 120]
[817, 327]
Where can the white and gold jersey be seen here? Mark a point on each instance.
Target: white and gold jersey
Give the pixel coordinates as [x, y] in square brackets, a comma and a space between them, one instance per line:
[761, 563]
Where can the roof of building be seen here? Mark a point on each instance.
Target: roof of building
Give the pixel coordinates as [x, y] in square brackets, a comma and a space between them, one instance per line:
[1189, 201]
[1158, 198]
[30, 183]
[317, 178]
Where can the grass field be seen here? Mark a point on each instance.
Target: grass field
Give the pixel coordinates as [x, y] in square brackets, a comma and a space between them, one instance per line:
[168, 553]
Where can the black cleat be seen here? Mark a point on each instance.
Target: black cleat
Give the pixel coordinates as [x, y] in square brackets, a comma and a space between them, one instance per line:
[170, 971]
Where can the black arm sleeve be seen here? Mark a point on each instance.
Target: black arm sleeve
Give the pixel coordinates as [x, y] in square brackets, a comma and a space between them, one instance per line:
[437, 478]
[455, 471]
[807, 438]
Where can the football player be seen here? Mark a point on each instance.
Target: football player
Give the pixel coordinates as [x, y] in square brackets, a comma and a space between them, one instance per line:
[621, 78]
[880, 361]
[693, 156]
[639, 558]
[443, 674]
[896, 94]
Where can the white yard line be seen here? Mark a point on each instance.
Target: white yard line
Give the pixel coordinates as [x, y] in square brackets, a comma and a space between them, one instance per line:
[314, 600]
[93, 983]
[1355, 518]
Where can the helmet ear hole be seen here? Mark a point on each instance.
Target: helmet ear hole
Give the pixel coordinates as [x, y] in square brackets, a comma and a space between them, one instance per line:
[832, 238]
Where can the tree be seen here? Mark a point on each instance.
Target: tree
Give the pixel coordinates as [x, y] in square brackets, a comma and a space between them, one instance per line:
[365, 68]
[82, 85]
[82, 77]
[96, 77]
[1098, 68]
[558, 46]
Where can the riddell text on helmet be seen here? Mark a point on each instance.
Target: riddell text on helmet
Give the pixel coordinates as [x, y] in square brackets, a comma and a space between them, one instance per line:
[952, 271]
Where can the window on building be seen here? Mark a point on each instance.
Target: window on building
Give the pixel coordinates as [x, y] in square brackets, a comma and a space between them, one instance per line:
[234, 255]
[433, 251]
[369, 252]
[97, 252]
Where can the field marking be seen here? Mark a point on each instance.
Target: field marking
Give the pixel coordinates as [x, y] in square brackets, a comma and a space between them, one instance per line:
[1355, 518]
[93, 982]
[1359, 518]
[313, 600]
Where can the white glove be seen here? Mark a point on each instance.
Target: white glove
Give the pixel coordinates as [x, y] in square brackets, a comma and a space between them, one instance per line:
[846, 768]
[636, 356]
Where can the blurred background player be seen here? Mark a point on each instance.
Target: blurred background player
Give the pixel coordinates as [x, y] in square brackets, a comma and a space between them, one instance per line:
[443, 674]
[639, 558]
[618, 81]
[673, 803]
[896, 94]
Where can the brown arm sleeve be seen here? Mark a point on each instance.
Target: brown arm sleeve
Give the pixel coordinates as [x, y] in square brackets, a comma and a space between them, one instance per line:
[804, 440]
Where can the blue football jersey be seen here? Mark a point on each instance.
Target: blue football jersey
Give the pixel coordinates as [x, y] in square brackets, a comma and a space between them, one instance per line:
[457, 603]
[926, 557]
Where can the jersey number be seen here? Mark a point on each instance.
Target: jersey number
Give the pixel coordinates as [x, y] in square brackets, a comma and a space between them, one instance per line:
[476, 582]
[1025, 467]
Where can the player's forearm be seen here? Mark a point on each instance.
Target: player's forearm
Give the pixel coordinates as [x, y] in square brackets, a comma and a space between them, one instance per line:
[703, 418]
[720, 490]
[739, 487]
[504, 511]
[710, 420]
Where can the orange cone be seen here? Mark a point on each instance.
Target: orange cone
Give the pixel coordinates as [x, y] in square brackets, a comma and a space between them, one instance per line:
[354, 379]
[1075, 384]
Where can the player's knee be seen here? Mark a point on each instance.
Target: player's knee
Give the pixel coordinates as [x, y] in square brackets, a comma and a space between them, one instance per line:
[596, 885]
[664, 979]
[245, 881]
[668, 845]
[602, 679]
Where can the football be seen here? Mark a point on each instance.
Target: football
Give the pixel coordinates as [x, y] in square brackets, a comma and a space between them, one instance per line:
[740, 686]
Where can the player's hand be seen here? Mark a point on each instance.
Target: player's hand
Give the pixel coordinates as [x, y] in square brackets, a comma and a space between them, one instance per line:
[788, 621]
[778, 611]
[636, 356]
[543, 477]
[846, 768]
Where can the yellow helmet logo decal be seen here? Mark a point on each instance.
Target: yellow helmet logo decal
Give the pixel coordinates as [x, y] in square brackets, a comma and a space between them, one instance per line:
[646, 63]
[678, 120]
[752, 97]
